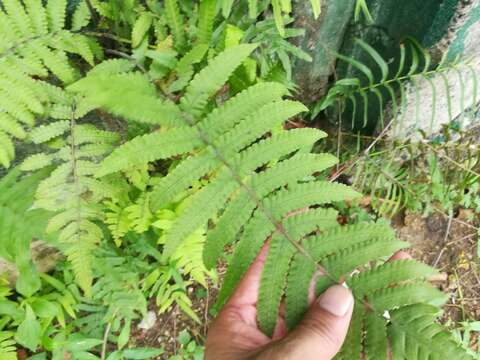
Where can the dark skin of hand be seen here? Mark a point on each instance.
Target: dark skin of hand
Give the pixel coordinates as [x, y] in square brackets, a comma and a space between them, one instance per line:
[234, 335]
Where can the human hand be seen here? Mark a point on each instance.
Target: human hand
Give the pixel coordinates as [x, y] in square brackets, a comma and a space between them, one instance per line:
[235, 335]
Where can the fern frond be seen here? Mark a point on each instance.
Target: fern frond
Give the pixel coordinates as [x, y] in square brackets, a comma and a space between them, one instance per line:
[181, 177]
[71, 191]
[302, 271]
[36, 162]
[35, 45]
[56, 11]
[240, 161]
[353, 347]
[7, 150]
[398, 296]
[260, 227]
[376, 341]
[184, 69]
[414, 333]
[398, 89]
[206, 17]
[45, 133]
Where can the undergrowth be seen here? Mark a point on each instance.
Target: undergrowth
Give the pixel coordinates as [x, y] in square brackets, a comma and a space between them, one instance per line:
[157, 144]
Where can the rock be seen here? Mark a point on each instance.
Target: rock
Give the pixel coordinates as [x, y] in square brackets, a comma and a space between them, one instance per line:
[44, 257]
[148, 321]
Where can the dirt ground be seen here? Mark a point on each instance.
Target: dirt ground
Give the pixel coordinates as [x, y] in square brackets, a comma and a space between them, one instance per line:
[448, 244]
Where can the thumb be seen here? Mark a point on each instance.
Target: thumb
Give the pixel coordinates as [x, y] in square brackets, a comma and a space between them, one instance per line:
[322, 332]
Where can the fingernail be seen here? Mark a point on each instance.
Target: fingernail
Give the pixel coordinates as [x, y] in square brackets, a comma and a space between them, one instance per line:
[337, 300]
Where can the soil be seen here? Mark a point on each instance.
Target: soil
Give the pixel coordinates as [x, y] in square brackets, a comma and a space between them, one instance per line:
[447, 243]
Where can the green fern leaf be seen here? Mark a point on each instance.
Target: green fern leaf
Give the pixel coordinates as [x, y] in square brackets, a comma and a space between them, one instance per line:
[18, 16]
[352, 348]
[8, 350]
[35, 162]
[184, 69]
[414, 333]
[390, 298]
[241, 106]
[56, 14]
[376, 344]
[37, 15]
[10, 126]
[46, 133]
[81, 16]
[111, 67]
[393, 272]
[161, 145]
[206, 17]
[128, 95]
[181, 177]
[175, 22]
[7, 151]
[302, 271]
[212, 77]
[141, 27]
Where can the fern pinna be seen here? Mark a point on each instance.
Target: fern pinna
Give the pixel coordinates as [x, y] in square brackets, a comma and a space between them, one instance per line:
[35, 45]
[260, 186]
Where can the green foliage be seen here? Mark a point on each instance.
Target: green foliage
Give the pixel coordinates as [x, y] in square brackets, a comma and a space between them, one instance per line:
[207, 171]
[16, 197]
[425, 177]
[7, 346]
[189, 349]
[387, 86]
[238, 154]
[280, 9]
[35, 45]
[71, 191]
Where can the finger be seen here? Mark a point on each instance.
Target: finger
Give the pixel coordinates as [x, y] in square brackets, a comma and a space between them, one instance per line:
[281, 326]
[400, 255]
[247, 290]
[321, 333]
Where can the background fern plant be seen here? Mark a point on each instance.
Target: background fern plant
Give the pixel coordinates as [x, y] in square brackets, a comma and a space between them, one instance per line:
[385, 88]
[248, 202]
[35, 45]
